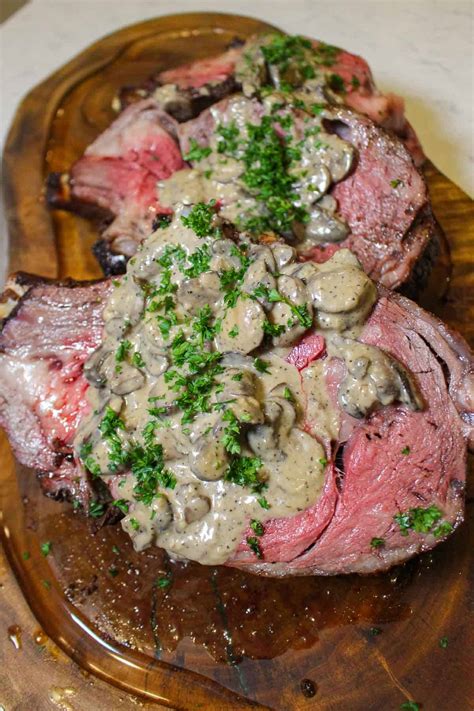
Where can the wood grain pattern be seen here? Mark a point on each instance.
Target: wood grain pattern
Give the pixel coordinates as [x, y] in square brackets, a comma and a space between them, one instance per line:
[254, 641]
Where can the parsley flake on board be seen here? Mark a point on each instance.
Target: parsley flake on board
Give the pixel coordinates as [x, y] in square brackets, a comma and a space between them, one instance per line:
[46, 548]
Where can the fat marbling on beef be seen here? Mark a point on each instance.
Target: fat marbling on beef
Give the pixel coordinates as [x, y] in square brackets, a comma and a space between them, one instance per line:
[390, 462]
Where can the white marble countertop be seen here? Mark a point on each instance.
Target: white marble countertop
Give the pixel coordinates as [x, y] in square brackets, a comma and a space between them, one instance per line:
[420, 49]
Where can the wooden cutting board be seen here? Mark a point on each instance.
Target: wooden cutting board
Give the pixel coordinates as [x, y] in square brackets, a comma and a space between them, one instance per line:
[218, 639]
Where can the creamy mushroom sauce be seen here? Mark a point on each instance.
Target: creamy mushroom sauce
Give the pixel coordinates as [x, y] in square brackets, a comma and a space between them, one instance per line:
[198, 423]
[291, 64]
[307, 162]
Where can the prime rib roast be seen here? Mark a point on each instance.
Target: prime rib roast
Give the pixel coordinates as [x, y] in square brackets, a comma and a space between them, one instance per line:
[393, 231]
[393, 460]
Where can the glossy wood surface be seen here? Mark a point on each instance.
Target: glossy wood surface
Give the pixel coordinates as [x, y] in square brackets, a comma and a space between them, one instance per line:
[216, 638]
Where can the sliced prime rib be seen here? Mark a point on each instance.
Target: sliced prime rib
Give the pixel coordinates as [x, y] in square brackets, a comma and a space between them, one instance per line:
[206, 81]
[392, 228]
[390, 462]
[384, 200]
[44, 341]
[116, 180]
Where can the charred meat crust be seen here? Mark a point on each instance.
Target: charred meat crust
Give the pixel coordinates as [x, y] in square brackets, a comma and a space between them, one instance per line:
[112, 263]
[423, 267]
[60, 196]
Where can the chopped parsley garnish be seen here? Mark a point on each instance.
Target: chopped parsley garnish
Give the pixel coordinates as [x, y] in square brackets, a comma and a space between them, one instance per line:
[88, 460]
[122, 351]
[26, 555]
[355, 83]
[231, 437]
[228, 139]
[231, 279]
[336, 82]
[317, 109]
[375, 631]
[116, 550]
[199, 260]
[395, 183]
[96, 509]
[46, 548]
[160, 222]
[267, 158]
[273, 329]
[410, 706]
[263, 502]
[254, 545]
[323, 462]
[147, 464]
[203, 325]
[290, 50]
[234, 332]
[201, 219]
[257, 527]
[406, 450]
[196, 152]
[261, 365]
[134, 524]
[273, 295]
[377, 542]
[108, 427]
[244, 472]
[422, 520]
[443, 642]
[137, 360]
[121, 504]
[288, 395]
[46, 584]
[113, 571]
[163, 582]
